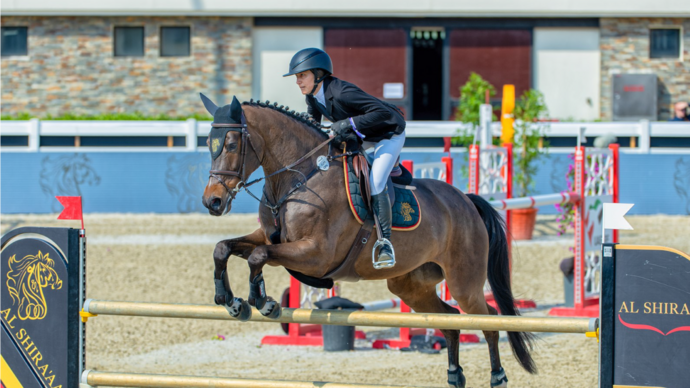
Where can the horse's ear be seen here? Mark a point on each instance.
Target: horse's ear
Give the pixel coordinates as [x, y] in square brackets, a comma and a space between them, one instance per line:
[236, 110]
[210, 106]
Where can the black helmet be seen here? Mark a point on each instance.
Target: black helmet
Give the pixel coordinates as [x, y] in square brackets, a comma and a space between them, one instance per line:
[310, 59]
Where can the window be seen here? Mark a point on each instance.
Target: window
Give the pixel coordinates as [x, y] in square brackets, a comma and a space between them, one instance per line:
[14, 41]
[175, 42]
[664, 43]
[129, 42]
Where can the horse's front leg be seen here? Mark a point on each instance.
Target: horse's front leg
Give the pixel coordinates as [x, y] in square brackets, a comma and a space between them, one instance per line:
[294, 255]
[242, 247]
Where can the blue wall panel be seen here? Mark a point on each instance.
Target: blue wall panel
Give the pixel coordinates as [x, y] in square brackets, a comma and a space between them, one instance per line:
[173, 182]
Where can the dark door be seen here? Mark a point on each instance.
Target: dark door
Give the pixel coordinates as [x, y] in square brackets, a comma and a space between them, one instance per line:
[427, 75]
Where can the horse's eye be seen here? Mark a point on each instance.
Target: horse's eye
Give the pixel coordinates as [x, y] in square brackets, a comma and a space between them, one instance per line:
[232, 147]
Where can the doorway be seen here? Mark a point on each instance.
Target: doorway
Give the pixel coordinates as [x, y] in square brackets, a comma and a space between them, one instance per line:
[427, 73]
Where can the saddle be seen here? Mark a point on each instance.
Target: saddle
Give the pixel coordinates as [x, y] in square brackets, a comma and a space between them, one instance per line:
[407, 214]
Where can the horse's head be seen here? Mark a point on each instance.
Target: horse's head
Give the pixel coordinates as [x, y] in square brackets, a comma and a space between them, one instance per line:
[233, 156]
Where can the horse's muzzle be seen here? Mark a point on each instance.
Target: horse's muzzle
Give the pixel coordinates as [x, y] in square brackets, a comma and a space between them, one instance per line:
[216, 205]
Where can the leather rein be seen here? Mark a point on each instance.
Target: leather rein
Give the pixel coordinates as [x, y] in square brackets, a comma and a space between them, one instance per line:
[243, 184]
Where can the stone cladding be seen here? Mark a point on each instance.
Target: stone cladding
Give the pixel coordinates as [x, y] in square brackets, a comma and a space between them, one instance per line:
[624, 45]
[70, 67]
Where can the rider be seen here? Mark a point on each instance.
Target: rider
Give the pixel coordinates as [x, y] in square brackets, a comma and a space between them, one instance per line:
[356, 116]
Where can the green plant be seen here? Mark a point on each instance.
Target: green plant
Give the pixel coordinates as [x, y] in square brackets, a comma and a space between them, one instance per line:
[472, 95]
[529, 132]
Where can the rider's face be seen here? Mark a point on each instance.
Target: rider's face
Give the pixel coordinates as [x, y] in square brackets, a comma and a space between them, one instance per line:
[305, 81]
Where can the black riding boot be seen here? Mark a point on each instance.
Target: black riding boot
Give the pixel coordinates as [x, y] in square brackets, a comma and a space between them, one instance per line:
[382, 207]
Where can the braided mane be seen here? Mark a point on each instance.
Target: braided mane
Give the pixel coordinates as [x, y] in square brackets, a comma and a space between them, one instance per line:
[302, 117]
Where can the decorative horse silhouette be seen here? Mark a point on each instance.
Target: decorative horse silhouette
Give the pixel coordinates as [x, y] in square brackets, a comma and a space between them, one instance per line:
[307, 227]
[65, 175]
[26, 280]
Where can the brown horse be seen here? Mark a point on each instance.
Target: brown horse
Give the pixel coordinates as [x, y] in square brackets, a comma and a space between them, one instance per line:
[308, 228]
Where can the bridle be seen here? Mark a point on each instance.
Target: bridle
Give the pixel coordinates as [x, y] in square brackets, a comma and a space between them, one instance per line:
[243, 184]
[246, 137]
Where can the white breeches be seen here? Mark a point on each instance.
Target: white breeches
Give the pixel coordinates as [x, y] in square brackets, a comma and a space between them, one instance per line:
[386, 152]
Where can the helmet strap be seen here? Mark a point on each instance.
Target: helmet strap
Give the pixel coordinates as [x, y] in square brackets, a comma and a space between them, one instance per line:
[317, 81]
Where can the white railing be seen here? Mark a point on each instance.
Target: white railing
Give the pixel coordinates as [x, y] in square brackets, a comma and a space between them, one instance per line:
[642, 131]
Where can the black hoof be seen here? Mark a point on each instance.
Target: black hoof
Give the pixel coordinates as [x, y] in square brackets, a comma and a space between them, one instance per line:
[271, 309]
[456, 379]
[239, 309]
[499, 379]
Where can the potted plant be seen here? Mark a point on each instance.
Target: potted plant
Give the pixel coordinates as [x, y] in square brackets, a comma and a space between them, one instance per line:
[529, 146]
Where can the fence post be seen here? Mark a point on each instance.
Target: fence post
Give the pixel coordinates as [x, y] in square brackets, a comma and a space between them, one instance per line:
[34, 135]
[448, 161]
[579, 249]
[474, 169]
[191, 137]
[645, 128]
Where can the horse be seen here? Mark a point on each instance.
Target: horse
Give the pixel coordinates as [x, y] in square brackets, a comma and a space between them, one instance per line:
[308, 228]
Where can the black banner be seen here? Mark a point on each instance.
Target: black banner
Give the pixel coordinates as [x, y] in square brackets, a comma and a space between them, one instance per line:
[40, 307]
[645, 321]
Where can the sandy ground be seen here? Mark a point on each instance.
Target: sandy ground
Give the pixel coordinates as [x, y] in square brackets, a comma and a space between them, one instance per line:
[168, 258]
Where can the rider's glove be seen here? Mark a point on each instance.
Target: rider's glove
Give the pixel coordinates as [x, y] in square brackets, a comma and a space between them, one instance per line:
[342, 127]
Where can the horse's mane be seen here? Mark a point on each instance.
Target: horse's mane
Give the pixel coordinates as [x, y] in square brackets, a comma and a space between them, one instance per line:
[304, 118]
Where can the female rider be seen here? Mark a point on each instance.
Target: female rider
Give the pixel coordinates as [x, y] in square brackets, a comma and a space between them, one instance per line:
[356, 116]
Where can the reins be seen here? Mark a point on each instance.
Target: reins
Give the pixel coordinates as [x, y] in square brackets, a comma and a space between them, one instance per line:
[246, 138]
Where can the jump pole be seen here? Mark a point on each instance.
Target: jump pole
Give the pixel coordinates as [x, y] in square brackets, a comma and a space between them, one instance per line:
[349, 318]
[92, 378]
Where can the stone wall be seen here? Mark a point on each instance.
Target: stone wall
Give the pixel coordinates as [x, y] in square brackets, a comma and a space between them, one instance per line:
[70, 67]
[625, 49]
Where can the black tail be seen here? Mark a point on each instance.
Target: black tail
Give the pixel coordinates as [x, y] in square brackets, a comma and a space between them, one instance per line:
[499, 279]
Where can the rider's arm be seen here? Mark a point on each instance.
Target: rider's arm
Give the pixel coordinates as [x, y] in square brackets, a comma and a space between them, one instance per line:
[375, 112]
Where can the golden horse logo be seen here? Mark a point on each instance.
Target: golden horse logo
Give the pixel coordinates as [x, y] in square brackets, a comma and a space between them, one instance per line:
[26, 280]
[215, 144]
[406, 211]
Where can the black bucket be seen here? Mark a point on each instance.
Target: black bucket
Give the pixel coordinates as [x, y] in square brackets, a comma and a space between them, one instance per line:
[338, 338]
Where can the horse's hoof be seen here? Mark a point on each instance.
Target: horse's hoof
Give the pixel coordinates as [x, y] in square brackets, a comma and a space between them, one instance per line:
[499, 379]
[239, 309]
[271, 309]
[456, 379]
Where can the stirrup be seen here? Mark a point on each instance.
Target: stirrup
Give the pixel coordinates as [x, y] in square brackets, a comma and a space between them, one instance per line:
[383, 263]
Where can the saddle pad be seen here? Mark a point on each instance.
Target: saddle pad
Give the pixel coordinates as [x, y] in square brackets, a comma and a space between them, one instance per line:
[406, 211]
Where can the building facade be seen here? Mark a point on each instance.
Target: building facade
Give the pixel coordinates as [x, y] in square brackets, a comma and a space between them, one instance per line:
[81, 58]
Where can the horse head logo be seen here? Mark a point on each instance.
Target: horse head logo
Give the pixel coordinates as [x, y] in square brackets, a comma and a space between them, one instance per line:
[406, 211]
[26, 280]
[67, 175]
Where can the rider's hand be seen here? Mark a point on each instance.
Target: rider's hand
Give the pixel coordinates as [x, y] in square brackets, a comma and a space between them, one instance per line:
[347, 136]
[342, 127]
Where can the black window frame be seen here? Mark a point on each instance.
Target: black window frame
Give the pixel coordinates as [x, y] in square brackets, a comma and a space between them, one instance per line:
[662, 55]
[26, 41]
[189, 42]
[143, 41]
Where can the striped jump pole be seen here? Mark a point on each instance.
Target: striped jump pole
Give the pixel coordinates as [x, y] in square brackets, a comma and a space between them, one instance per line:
[536, 200]
[349, 318]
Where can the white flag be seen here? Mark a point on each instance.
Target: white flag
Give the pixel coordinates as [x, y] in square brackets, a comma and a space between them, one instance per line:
[614, 216]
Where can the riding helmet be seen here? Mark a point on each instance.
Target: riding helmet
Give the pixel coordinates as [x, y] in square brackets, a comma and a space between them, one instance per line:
[310, 59]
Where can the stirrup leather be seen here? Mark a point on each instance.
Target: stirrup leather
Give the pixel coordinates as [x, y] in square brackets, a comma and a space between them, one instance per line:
[383, 263]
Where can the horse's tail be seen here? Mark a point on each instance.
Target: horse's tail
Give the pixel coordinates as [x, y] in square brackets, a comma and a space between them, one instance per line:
[499, 279]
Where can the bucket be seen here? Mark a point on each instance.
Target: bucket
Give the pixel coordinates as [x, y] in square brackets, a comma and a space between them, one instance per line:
[522, 223]
[338, 338]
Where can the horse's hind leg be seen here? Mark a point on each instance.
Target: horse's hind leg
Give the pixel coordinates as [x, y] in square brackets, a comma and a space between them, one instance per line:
[418, 290]
[470, 298]
[242, 247]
